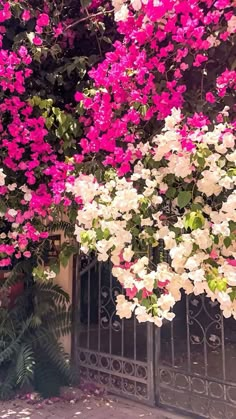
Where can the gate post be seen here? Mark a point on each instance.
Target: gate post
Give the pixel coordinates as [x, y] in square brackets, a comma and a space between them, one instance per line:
[157, 352]
[151, 362]
[76, 289]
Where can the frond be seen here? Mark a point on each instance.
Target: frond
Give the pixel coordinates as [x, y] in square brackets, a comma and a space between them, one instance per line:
[14, 345]
[20, 270]
[24, 365]
[59, 322]
[49, 290]
[54, 351]
[67, 228]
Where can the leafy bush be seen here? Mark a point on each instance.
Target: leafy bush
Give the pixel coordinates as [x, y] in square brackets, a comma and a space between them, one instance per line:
[30, 353]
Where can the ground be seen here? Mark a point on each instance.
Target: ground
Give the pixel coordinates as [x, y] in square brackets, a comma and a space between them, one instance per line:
[88, 406]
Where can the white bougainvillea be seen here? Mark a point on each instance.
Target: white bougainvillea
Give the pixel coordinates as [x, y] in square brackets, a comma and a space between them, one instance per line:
[182, 193]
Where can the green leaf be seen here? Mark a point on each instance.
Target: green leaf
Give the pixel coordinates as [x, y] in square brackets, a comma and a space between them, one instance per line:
[184, 198]
[222, 285]
[67, 251]
[194, 220]
[106, 233]
[197, 222]
[99, 234]
[227, 242]
[212, 284]
[171, 193]
[196, 207]
[55, 267]
[85, 3]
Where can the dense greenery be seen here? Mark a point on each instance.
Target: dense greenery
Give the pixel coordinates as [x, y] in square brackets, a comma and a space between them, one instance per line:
[30, 326]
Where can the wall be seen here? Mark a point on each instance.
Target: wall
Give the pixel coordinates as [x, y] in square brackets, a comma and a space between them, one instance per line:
[64, 279]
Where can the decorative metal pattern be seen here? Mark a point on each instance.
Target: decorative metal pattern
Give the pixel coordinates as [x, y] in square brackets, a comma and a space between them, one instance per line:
[189, 364]
[108, 352]
[195, 373]
[119, 375]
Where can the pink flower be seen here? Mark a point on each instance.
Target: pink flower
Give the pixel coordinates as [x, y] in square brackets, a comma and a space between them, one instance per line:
[232, 262]
[214, 255]
[131, 292]
[79, 96]
[210, 97]
[43, 20]
[23, 52]
[27, 254]
[26, 15]
[5, 262]
[37, 41]
[58, 30]
[199, 60]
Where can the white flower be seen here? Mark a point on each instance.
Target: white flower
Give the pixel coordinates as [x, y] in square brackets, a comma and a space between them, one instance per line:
[128, 254]
[199, 288]
[12, 212]
[85, 187]
[157, 200]
[2, 178]
[124, 308]
[209, 184]
[231, 24]
[148, 281]
[228, 140]
[140, 264]
[24, 188]
[146, 222]
[168, 315]
[117, 4]
[197, 275]
[137, 4]
[122, 13]
[49, 274]
[172, 120]
[27, 196]
[166, 302]
[222, 228]
[170, 240]
[202, 238]
[141, 314]
[157, 321]
[180, 166]
[12, 186]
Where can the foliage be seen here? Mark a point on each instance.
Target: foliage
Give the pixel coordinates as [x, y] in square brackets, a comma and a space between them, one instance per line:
[30, 328]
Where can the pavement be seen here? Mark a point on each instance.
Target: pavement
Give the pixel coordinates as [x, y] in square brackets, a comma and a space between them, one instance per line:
[88, 406]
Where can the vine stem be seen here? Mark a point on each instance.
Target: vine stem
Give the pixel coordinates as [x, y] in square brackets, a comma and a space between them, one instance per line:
[72, 25]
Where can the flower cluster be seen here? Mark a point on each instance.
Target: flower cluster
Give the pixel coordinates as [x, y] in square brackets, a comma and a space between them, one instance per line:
[181, 192]
[163, 62]
[143, 153]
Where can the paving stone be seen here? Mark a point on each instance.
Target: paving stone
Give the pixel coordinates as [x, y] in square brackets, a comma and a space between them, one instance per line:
[89, 407]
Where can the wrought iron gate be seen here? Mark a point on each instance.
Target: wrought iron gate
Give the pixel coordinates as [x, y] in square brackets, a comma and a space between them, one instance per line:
[189, 364]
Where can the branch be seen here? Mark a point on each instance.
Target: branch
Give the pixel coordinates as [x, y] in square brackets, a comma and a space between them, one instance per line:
[72, 25]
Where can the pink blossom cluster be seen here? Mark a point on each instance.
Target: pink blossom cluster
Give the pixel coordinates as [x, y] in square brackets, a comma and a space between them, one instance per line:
[145, 75]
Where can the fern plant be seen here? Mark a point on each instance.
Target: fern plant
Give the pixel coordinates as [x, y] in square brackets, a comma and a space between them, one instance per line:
[30, 351]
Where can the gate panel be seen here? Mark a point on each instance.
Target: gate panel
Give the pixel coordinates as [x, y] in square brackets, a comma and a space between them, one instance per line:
[118, 354]
[195, 355]
[197, 368]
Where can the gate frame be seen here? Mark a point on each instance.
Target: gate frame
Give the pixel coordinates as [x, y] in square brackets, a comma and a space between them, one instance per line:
[153, 364]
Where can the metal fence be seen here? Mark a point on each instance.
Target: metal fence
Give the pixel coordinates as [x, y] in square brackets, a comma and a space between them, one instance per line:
[189, 364]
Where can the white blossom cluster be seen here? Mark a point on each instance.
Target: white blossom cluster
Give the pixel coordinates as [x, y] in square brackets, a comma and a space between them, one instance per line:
[182, 192]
